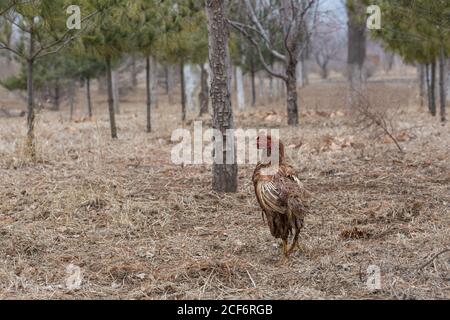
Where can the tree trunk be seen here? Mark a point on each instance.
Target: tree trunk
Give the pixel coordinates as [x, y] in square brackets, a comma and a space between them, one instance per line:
[134, 72]
[88, 97]
[356, 50]
[271, 88]
[31, 116]
[203, 96]
[442, 88]
[30, 141]
[291, 91]
[183, 93]
[71, 98]
[323, 65]
[112, 116]
[305, 74]
[149, 94]
[102, 85]
[240, 94]
[432, 92]
[448, 79]
[302, 72]
[154, 81]
[170, 82]
[115, 88]
[261, 90]
[166, 76]
[253, 83]
[225, 171]
[428, 83]
[190, 82]
[56, 98]
[421, 78]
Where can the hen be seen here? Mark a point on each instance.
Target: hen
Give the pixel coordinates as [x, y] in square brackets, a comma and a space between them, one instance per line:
[280, 193]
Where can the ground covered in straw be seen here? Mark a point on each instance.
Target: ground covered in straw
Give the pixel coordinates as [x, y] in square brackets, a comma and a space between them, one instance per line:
[139, 227]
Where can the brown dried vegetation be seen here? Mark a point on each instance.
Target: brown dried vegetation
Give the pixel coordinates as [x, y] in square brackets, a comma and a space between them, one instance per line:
[140, 227]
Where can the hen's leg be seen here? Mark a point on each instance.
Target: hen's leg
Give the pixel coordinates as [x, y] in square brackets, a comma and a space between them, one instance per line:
[285, 248]
[294, 242]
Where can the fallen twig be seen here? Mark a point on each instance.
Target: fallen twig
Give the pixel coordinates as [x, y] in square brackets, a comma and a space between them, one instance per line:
[433, 258]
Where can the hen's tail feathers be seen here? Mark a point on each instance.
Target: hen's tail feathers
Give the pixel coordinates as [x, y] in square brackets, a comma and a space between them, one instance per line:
[297, 207]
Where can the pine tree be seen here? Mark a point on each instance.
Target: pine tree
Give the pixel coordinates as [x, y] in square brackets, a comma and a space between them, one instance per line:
[185, 41]
[418, 30]
[108, 41]
[43, 28]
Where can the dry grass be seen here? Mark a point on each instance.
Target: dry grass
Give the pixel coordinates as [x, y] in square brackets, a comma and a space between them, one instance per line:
[142, 228]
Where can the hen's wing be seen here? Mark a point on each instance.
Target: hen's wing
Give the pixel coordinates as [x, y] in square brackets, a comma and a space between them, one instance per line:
[269, 195]
[290, 183]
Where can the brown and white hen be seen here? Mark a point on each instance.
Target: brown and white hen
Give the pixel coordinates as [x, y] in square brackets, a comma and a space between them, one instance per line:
[280, 193]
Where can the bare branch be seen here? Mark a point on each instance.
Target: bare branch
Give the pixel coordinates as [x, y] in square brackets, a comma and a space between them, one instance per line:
[261, 31]
[255, 20]
[276, 54]
[3, 46]
[260, 54]
[373, 118]
[432, 258]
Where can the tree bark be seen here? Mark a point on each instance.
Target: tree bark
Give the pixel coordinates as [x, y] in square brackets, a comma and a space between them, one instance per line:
[271, 88]
[71, 98]
[295, 42]
[149, 94]
[240, 94]
[291, 91]
[421, 80]
[442, 79]
[224, 172]
[56, 98]
[302, 72]
[170, 82]
[134, 72]
[154, 81]
[432, 91]
[30, 106]
[30, 144]
[203, 96]
[88, 97]
[112, 115]
[356, 51]
[261, 90]
[115, 88]
[183, 92]
[253, 83]
[166, 76]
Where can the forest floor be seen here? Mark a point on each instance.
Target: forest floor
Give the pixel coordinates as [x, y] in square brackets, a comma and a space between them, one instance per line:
[140, 227]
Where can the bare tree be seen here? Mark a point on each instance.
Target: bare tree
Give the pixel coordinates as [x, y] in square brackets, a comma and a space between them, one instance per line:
[286, 20]
[325, 48]
[224, 173]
